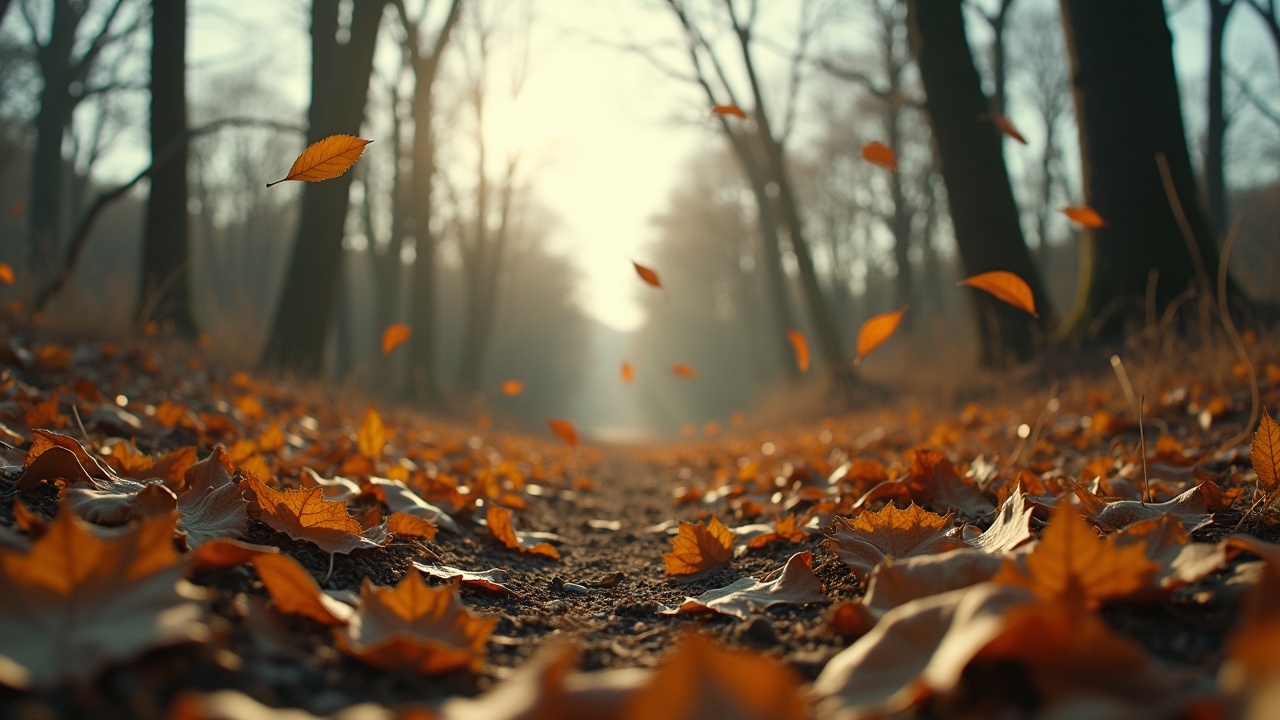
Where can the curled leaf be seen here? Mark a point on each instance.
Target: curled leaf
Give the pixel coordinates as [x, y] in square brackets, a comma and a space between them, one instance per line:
[1005, 287]
[326, 159]
[296, 592]
[502, 530]
[795, 584]
[876, 330]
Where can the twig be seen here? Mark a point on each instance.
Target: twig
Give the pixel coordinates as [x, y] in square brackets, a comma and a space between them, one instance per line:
[1229, 325]
[1142, 447]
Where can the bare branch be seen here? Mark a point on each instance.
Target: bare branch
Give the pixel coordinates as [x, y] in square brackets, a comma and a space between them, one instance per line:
[1254, 98]
[104, 38]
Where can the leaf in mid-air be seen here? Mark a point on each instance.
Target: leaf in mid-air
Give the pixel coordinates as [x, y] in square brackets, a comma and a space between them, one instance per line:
[628, 372]
[685, 371]
[647, 274]
[6, 274]
[1086, 216]
[372, 437]
[394, 336]
[1006, 127]
[801, 346]
[876, 330]
[877, 153]
[564, 430]
[732, 110]
[326, 159]
[512, 387]
[1005, 287]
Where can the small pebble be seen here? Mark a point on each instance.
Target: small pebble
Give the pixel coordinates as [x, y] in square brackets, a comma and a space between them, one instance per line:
[760, 630]
[574, 588]
[557, 606]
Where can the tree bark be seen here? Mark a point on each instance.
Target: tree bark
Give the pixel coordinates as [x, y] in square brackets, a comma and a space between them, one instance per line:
[339, 86]
[969, 148]
[1128, 113]
[165, 293]
[1214, 157]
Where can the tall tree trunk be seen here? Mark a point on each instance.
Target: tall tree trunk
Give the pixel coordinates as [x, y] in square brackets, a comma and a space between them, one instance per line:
[45, 202]
[339, 86]
[1214, 158]
[166, 288]
[1128, 113]
[777, 286]
[969, 149]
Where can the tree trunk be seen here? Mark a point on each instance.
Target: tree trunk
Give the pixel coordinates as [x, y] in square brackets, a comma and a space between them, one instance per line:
[339, 85]
[1128, 113]
[1214, 160]
[970, 153]
[165, 293]
[45, 202]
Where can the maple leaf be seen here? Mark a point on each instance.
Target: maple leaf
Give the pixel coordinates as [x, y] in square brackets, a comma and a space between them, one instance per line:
[502, 530]
[1072, 565]
[877, 153]
[417, 628]
[1005, 287]
[394, 336]
[1085, 216]
[372, 436]
[784, 529]
[698, 548]
[869, 538]
[1264, 452]
[628, 372]
[325, 159]
[213, 506]
[564, 430]
[647, 274]
[296, 592]
[733, 110]
[801, 347]
[494, 580]
[305, 515]
[898, 582]
[876, 330]
[78, 601]
[795, 585]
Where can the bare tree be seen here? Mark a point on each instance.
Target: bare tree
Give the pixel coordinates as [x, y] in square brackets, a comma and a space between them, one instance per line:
[1214, 160]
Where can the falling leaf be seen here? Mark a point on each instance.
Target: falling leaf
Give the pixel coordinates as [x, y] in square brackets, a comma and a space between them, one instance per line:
[697, 548]
[326, 159]
[795, 585]
[876, 330]
[867, 539]
[647, 275]
[1086, 216]
[628, 372]
[880, 154]
[1006, 127]
[512, 388]
[305, 515]
[78, 601]
[372, 436]
[1005, 287]
[1264, 452]
[801, 346]
[684, 371]
[405, 525]
[733, 110]
[394, 336]
[414, 627]
[1071, 564]
[564, 430]
[503, 530]
[6, 274]
[296, 592]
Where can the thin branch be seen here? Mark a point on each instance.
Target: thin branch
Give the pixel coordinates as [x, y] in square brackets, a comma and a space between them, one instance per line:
[81, 69]
[1254, 98]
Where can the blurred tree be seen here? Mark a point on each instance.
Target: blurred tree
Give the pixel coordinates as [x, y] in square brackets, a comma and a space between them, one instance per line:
[340, 73]
[983, 212]
[1214, 159]
[998, 20]
[165, 291]
[1129, 116]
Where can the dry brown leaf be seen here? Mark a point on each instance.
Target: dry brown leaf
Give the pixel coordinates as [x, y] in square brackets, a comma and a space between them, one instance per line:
[494, 580]
[225, 553]
[1264, 452]
[502, 530]
[877, 153]
[1005, 287]
[565, 431]
[866, 540]
[67, 460]
[898, 582]
[400, 499]
[1085, 216]
[394, 336]
[795, 585]
[372, 436]
[801, 347]
[414, 627]
[78, 601]
[120, 502]
[876, 330]
[1167, 544]
[647, 274]
[235, 705]
[296, 592]
[306, 515]
[325, 159]
[212, 506]
[783, 530]
[336, 488]
[697, 548]
[1071, 564]
[1191, 508]
[405, 525]
[1012, 526]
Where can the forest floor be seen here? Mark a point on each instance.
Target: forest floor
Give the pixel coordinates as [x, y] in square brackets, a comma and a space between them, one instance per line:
[1147, 612]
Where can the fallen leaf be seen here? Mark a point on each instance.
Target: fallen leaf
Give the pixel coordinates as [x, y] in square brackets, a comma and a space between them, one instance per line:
[647, 275]
[296, 592]
[1168, 545]
[1071, 564]
[6, 274]
[1006, 127]
[801, 346]
[795, 585]
[405, 525]
[372, 436]
[503, 530]
[78, 601]
[394, 336]
[336, 488]
[1191, 507]
[1086, 216]
[305, 515]
[235, 705]
[121, 502]
[414, 627]
[697, 548]
[898, 582]
[512, 388]
[565, 431]
[82, 466]
[876, 330]
[400, 499]
[783, 530]
[733, 110]
[849, 619]
[1012, 526]
[877, 153]
[212, 506]
[869, 538]
[1264, 452]
[223, 553]
[684, 371]
[325, 159]
[494, 580]
[1005, 287]
[628, 372]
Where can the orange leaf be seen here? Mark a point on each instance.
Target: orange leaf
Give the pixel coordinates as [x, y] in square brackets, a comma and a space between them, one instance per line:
[699, 547]
[733, 110]
[795, 585]
[502, 530]
[222, 553]
[296, 592]
[403, 524]
[306, 515]
[1005, 287]
[1264, 452]
[801, 346]
[876, 330]
[565, 431]
[372, 437]
[647, 275]
[628, 372]
[1086, 216]
[866, 540]
[6, 274]
[512, 387]
[394, 336]
[1006, 127]
[326, 159]
[880, 154]
[684, 371]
